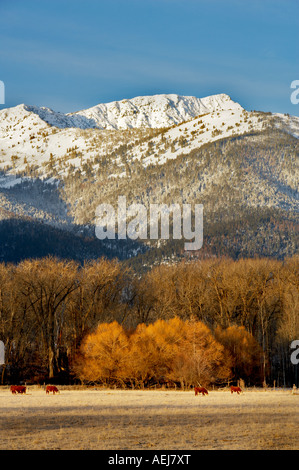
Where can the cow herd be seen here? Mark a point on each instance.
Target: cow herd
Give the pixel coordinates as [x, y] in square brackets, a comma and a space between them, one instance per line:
[203, 391]
[22, 389]
[52, 388]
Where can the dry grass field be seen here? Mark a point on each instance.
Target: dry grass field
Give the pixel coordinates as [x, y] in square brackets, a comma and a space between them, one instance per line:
[148, 420]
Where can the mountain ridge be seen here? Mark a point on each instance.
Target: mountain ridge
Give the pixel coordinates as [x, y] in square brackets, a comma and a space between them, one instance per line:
[162, 110]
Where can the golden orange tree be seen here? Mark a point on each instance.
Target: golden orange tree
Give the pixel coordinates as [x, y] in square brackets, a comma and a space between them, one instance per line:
[200, 358]
[173, 351]
[103, 355]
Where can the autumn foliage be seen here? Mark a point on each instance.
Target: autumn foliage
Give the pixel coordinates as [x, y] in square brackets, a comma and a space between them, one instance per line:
[173, 352]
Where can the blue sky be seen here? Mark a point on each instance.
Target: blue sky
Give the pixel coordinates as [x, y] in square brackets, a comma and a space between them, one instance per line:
[71, 55]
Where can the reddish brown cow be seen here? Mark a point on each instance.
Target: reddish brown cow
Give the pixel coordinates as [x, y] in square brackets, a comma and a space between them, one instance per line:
[17, 389]
[235, 389]
[52, 388]
[201, 390]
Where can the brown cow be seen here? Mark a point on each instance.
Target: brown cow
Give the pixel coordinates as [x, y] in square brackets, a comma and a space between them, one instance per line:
[52, 388]
[17, 389]
[201, 390]
[235, 389]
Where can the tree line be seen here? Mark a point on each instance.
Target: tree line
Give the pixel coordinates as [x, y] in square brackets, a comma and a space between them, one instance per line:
[50, 308]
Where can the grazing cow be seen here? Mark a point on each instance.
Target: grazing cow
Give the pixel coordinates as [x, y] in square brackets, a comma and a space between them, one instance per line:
[201, 390]
[52, 388]
[17, 389]
[235, 389]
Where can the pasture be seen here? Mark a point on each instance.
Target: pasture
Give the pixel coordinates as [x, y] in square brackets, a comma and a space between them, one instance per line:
[146, 420]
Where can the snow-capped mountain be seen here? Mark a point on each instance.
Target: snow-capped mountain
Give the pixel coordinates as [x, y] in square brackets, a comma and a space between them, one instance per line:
[150, 129]
[143, 111]
[161, 148]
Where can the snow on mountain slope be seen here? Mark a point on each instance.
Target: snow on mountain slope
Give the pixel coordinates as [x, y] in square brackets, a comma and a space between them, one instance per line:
[164, 127]
[289, 124]
[207, 128]
[26, 141]
[144, 111]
